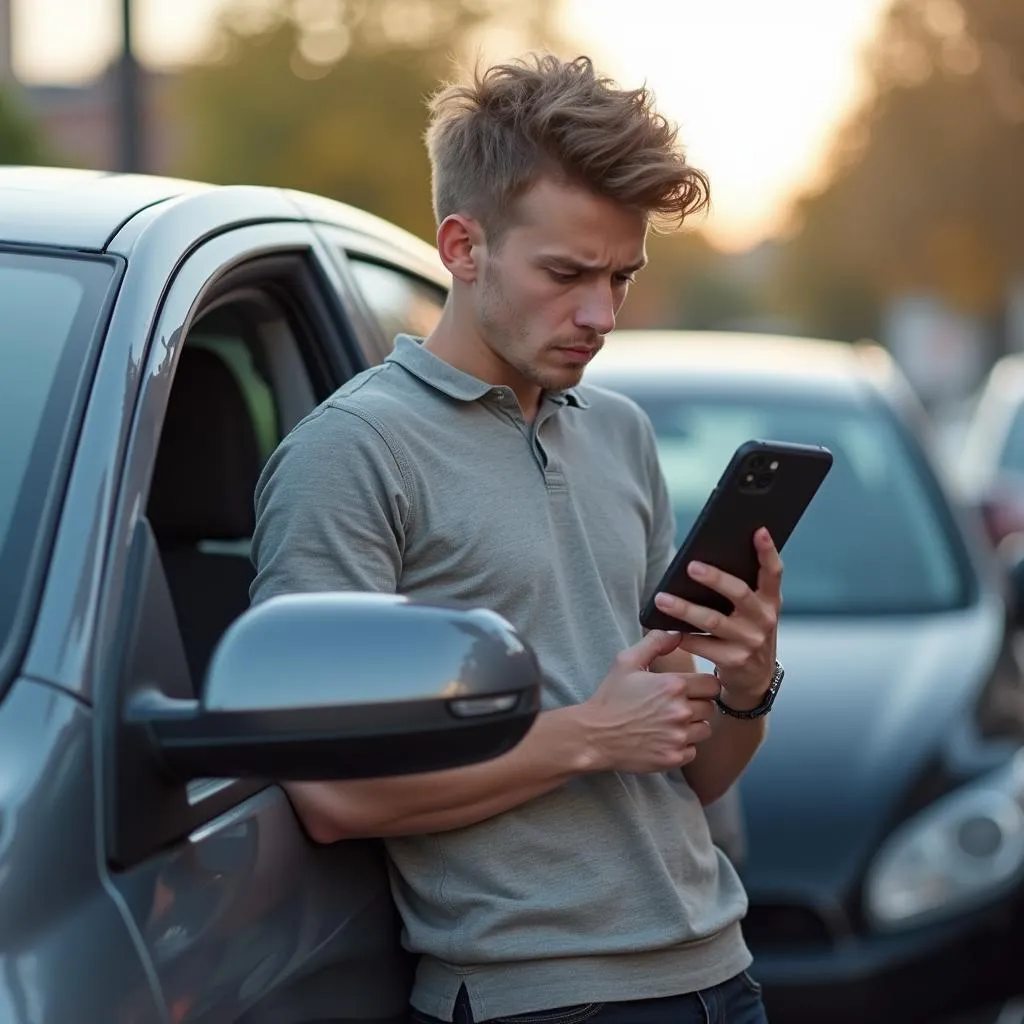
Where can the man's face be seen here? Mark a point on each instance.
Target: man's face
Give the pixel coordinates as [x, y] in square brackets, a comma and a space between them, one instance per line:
[550, 293]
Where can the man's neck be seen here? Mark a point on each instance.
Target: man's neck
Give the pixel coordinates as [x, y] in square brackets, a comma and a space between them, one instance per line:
[468, 353]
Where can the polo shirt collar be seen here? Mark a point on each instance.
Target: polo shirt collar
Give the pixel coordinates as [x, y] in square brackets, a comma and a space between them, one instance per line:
[410, 354]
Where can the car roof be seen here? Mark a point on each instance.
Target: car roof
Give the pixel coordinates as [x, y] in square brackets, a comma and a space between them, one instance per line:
[76, 209]
[82, 209]
[741, 362]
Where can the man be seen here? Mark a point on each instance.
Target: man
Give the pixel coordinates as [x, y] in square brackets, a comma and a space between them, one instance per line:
[573, 878]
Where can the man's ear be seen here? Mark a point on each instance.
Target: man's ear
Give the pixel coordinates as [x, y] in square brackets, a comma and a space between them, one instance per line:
[460, 244]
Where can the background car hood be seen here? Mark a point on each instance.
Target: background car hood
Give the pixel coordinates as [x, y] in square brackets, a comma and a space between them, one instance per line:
[863, 705]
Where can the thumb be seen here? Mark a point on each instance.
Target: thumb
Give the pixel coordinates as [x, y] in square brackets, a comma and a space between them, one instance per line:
[655, 644]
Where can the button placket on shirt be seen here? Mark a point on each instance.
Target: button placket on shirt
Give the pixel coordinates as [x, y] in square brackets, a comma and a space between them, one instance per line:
[553, 476]
[504, 402]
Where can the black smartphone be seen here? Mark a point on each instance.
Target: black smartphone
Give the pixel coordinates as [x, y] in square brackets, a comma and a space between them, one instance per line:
[766, 483]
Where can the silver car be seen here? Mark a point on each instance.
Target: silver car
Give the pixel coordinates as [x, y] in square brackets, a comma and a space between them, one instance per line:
[157, 339]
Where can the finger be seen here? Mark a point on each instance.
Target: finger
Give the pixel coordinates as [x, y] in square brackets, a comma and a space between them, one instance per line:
[722, 583]
[688, 754]
[656, 644]
[699, 617]
[702, 710]
[697, 732]
[769, 573]
[718, 652]
[700, 686]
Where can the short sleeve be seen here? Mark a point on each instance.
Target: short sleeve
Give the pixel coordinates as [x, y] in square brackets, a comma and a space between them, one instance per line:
[332, 510]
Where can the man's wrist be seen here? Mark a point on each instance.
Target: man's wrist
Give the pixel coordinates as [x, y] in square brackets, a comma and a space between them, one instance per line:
[582, 734]
[744, 700]
[749, 704]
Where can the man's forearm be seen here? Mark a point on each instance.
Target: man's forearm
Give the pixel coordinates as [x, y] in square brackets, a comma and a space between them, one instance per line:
[554, 751]
[722, 757]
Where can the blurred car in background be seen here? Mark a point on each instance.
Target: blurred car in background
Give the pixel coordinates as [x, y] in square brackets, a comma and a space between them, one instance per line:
[885, 830]
[988, 465]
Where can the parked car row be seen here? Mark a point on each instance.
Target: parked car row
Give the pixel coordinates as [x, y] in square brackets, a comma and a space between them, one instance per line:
[158, 339]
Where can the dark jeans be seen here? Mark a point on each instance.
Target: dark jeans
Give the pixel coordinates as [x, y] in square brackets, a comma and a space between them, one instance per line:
[737, 1001]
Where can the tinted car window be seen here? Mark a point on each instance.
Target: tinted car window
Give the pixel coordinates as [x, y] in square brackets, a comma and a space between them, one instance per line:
[873, 542]
[403, 304]
[49, 309]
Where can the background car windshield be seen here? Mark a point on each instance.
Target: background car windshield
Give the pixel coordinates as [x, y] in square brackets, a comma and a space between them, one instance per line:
[48, 312]
[872, 542]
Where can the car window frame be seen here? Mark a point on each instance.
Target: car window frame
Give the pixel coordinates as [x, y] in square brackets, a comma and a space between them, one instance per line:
[400, 273]
[342, 245]
[218, 265]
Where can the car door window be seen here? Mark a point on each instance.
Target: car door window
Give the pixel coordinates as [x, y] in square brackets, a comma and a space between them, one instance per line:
[221, 426]
[401, 302]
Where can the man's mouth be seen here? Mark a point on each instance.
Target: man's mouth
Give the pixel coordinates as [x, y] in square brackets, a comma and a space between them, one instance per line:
[580, 353]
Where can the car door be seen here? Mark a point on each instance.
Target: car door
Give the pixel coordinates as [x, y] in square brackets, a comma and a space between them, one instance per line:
[244, 919]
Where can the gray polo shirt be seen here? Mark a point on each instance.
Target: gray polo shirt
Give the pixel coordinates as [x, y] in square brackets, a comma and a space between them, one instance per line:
[417, 478]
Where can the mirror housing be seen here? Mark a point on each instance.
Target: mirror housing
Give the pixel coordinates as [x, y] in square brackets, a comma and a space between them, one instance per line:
[347, 686]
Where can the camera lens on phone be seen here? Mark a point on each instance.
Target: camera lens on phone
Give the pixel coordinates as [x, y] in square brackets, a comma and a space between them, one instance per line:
[763, 479]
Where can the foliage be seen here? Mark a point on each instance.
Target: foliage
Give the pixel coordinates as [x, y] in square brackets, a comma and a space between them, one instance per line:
[688, 284]
[329, 95]
[19, 141]
[921, 192]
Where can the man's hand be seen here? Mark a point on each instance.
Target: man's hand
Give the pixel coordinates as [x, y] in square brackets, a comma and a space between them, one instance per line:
[742, 645]
[640, 721]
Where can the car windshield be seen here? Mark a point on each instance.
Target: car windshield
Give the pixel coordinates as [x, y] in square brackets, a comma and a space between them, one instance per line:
[876, 539]
[49, 307]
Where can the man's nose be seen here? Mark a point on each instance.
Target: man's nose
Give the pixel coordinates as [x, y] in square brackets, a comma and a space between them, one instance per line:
[597, 311]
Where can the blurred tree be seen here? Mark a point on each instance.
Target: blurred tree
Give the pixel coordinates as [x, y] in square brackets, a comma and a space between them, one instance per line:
[19, 140]
[689, 284]
[329, 95]
[922, 190]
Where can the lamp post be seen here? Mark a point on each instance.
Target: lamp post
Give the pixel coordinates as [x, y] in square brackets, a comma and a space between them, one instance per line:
[128, 106]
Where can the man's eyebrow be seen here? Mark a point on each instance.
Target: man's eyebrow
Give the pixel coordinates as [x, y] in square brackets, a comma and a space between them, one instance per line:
[634, 267]
[582, 266]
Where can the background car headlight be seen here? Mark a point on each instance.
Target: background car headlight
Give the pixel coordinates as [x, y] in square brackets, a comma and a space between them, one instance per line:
[964, 849]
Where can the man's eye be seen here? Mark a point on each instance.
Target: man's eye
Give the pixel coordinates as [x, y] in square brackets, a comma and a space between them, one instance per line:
[624, 278]
[562, 276]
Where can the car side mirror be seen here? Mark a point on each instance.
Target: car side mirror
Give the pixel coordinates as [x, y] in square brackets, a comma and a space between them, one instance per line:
[347, 686]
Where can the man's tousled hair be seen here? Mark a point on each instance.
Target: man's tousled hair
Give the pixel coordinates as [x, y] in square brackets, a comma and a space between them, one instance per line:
[491, 139]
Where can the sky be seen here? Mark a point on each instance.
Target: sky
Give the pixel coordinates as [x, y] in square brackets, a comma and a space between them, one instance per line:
[758, 88]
